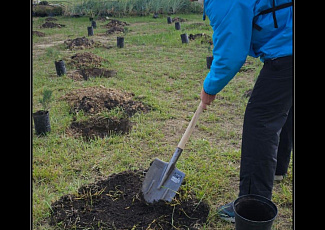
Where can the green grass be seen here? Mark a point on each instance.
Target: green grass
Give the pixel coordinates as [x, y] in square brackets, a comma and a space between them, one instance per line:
[166, 75]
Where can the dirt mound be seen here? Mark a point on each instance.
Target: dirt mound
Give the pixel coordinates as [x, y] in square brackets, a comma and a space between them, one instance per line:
[99, 127]
[38, 34]
[178, 19]
[116, 29]
[81, 43]
[117, 203]
[116, 23]
[51, 25]
[93, 100]
[87, 65]
[85, 60]
[50, 19]
[115, 26]
[202, 36]
[85, 74]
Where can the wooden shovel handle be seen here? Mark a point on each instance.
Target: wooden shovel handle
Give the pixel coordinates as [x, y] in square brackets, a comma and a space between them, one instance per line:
[190, 127]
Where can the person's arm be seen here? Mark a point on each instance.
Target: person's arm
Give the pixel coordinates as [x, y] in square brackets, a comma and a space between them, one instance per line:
[231, 21]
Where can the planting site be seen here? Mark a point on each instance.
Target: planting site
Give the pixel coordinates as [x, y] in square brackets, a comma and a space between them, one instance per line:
[111, 110]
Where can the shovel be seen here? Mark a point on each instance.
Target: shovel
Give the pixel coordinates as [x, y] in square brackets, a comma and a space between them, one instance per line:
[163, 179]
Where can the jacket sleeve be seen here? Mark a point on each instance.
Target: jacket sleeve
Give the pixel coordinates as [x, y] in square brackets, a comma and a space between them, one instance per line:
[231, 21]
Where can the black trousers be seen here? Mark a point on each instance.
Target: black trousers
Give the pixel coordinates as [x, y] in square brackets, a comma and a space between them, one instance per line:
[267, 129]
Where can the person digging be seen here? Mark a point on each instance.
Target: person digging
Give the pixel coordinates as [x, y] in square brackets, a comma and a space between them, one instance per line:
[258, 28]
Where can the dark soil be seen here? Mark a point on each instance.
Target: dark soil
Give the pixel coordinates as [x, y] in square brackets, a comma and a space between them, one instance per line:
[38, 34]
[93, 100]
[85, 60]
[85, 74]
[81, 43]
[116, 23]
[178, 19]
[99, 127]
[117, 203]
[116, 29]
[115, 26]
[202, 36]
[51, 25]
[50, 19]
[87, 65]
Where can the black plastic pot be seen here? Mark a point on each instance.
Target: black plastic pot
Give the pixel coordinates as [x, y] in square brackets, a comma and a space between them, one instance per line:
[254, 212]
[177, 25]
[90, 31]
[60, 67]
[42, 122]
[93, 24]
[209, 61]
[184, 38]
[169, 20]
[120, 42]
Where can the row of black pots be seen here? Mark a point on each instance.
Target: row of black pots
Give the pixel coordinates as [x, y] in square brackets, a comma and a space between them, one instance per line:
[184, 38]
[90, 29]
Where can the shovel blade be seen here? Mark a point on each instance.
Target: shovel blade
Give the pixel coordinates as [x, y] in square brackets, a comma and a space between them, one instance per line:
[168, 190]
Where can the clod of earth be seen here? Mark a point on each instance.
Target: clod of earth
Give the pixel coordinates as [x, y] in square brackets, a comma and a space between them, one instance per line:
[204, 38]
[81, 43]
[38, 34]
[178, 19]
[116, 23]
[85, 60]
[93, 100]
[117, 203]
[85, 74]
[50, 19]
[87, 65]
[51, 25]
[115, 26]
[100, 127]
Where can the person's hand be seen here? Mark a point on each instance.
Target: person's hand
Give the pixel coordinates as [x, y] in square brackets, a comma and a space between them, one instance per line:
[206, 99]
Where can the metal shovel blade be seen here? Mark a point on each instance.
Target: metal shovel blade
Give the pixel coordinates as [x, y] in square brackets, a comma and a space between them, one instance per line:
[168, 190]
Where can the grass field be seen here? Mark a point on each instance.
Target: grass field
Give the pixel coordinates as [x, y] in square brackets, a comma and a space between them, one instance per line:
[167, 76]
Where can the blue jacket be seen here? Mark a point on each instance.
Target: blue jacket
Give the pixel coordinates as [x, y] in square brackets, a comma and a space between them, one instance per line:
[234, 36]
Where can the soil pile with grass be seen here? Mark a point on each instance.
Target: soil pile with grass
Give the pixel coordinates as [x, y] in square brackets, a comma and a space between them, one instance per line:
[101, 127]
[117, 203]
[115, 26]
[98, 102]
[52, 25]
[88, 65]
[81, 43]
[85, 59]
[93, 100]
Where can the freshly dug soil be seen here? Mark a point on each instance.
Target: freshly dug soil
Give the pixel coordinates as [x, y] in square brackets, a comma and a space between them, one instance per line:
[117, 203]
[51, 25]
[38, 34]
[115, 26]
[87, 65]
[178, 19]
[85, 74]
[202, 36]
[116, 23]
[101, 127]
[85, 60]
[81, 43]
[93, 100]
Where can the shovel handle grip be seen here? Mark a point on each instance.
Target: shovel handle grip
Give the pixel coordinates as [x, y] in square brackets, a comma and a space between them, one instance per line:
[190, 127]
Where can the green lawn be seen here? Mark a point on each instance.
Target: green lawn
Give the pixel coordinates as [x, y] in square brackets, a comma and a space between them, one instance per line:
[166, 75]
